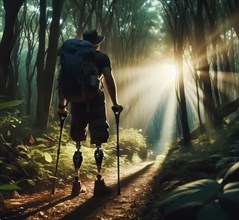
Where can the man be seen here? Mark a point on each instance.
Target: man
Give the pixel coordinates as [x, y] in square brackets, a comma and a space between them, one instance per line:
[92, 113]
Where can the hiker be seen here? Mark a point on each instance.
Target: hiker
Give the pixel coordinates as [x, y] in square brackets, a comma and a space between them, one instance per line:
[92, 113]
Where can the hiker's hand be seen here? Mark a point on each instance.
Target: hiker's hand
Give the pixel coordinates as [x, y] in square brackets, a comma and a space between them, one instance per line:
[62, 108]
[117, 108]
[63, 112]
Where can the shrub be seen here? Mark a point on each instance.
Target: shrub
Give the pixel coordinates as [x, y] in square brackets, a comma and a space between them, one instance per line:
[133, 143]
[203, 199]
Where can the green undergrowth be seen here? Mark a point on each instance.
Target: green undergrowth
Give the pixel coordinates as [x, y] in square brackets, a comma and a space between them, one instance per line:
[207, 155]
[28, 156]
[200, 180]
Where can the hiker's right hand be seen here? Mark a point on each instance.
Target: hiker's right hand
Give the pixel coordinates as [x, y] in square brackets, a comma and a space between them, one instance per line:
[117, 108]
[63, 112]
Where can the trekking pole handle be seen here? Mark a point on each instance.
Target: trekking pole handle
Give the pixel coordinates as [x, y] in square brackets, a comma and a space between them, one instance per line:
[62, 116]
[117, 110]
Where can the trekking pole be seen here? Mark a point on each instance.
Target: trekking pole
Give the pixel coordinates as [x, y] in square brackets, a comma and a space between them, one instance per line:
[117, 112]
[62, 117]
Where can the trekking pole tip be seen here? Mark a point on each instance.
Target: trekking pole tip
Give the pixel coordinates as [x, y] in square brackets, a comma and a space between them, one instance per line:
[53, 191]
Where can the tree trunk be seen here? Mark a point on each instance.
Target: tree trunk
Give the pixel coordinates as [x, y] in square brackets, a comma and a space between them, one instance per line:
[52, 56]
[40, 65]
[178, 48]
[182, 98]
[211, 14]
[223, 111]
[228, 108]
[48, 83]
[203, 67]
[14, 63]
[11, 8]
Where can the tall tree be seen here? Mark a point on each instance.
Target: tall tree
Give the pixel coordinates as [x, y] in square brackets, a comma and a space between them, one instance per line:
[45, 79]
[178, 51]
[211, 11]
[30, 35]
[203, 67]
[41, 64]
[175, 16]
[233, 6]
[133, 23]
[11, 8]
[233, 11]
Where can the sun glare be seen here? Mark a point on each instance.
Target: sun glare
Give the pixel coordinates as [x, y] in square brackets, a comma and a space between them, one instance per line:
[172, 71]
[148, 94]
[169, 71]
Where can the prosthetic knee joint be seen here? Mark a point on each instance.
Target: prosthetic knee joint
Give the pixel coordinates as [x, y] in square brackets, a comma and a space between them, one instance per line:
[98, 159]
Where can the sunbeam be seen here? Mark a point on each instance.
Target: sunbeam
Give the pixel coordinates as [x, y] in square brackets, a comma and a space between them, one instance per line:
[148, 93]
[145, 90]
[141, 90]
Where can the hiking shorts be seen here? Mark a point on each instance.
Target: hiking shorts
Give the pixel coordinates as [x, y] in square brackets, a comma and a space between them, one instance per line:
[92, 115]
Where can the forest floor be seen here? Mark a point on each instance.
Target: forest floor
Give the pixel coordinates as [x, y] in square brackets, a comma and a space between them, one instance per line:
[142, 184]
[136, 187]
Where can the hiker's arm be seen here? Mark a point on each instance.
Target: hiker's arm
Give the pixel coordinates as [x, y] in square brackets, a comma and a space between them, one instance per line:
[110, 84]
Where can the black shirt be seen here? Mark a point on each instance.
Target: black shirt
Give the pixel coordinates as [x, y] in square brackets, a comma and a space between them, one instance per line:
[102, 61]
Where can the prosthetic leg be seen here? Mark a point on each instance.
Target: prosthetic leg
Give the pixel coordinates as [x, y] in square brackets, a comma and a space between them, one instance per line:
[100, 188]
[77, 160]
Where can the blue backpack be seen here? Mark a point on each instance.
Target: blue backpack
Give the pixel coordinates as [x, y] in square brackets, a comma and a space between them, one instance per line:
[79, 75]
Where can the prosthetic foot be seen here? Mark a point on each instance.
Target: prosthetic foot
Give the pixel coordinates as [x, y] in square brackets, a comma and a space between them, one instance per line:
[100, 188]
[77, 160]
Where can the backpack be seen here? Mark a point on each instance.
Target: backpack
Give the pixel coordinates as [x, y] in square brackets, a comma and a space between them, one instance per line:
[79, 75]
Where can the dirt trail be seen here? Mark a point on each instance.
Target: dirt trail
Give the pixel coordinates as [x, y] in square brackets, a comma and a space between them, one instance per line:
[136, 183]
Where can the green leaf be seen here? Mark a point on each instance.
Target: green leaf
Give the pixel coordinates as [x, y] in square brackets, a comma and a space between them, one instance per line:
[31, 182]
[190, 197]
[191, 191]
[232, 174]
[226, 160]
[12, 167]
[35, 152]
[41, 139]
[9, 187]
[212, 209]
[10, 104]
[41, 145]
[48, 157]
[232, 185]
[22, 147]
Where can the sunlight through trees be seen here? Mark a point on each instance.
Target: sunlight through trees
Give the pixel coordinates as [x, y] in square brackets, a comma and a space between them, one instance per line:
[157, 48]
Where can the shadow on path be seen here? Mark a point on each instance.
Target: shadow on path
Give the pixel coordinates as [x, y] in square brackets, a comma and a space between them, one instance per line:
[16, 214]
[90, 207]
[93, 205]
